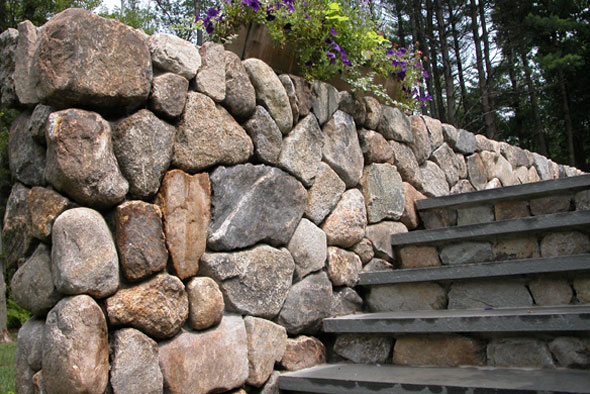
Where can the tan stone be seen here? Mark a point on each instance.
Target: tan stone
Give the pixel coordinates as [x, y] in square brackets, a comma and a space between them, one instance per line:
[343, 267]
[550, 204]
[438, 350]
[582, 287]
[406, 297]
[564, 244]
[267, 342]
[439, 218]
[511, 210]
[303, 352]
[186, 202]
[551, 291]
[515, 248]
[347, 223]
[418, 257]
[410, 216]
[582, 200]
[205, 303]
[44, 206]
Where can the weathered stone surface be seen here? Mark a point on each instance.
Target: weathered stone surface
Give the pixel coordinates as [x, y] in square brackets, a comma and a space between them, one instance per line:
[38, 383]
[466, 142]
[32, 284]
[290, 90]
[483, 143]
[265, 135]
[421, 142]
[135, 366]
[79, 72]
[406, 163]
[75, 347]
[254, 204]
[477, 294]
[26, 157]
[189, 368]
[515, 248]
[550, 204]
[410, 217]
[8, 43]
[435, 132]
[208, 135]
[173, 54]
[301, 151]
[515, 155]
[364, 349]
[253, 282]
[267, 342]
[373, 112]
[83, 254]
[303, 352]
[564, 244]
[140, 239]
[158, 307]
[449, 162]
[168, 95]
[434, 183]
[418, 257]
[477, 172]
[380, 236]
[571, 352]
[80, 159]
[503, 171]
[364, 249]
[466, 252]
[38, 122]
[521, 174]
[395, 125]
[551, 291]
[343, 267]
[211, 76]
[205, 303]
[29, 354]
[462, 186]
[44, 205]
[375, 148]
[542, 165]
[376, 265]
[325, 101]
[582, 200]
[520, 353]
[533, 176]
[342, 150]
[270, 93]
[353, 106]
[438, 218]
[308, 246]
[143, 145]
[493, 184]
[438, 350]
[406, 297]
[324, 194]
[345, 301]
[16, 235]
[26, 75]
[383, 191]
[475, 215]
[271, 386]
[582, 288]
[240, 96]
[346, 224]
[511, 209]
[185, 202]
[450, 134]
[307, 303]
[303, 93]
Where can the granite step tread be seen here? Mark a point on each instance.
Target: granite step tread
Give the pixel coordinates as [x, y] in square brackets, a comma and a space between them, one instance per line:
[516, 192]
[532, 319]
[558, 221]
[479, 270]
[392, 379]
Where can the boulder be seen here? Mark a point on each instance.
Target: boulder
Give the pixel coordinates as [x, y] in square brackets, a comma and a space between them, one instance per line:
[254, 204]
[582, 287]
[582, 200]
[140, 239]
[550, 204]
[373, 112]
[29, 354]
[383, 191]
[203, 362]
[439, 218]
[478, 294]
[477, 172]
[303, 93]
[211, 76]
[462, 186]
[240, 96]
[438, 350]
[564, 244]
[571, 352]
[308, 246]
[515, 155]
[207, 135]
[26, 157]
[26, 75]
[466, 143]
[345, 301]
[44, 206]
[135, 365]
[511, 209]
[77, 72]
[410, 216]
[420, 143]
[346, 224]
[450, 134]
[434, 183]
[325, 193]
[17, 239]
[38, 122]
[325, 101]
[406, 163]
[344, 267]
[186, 206]
[515, 248]
[267, 342]
[377, 265]
[271, 386]
[353, 106]
[435, 132]
[541, 164]
[75, 347]
[168, 95]
[253, 282]
[83, 254]
[303, 352]
[406, 297]
[80, 159]
[157, 307]
[8, 43]
[519, 353]
[395, 125]
[466, 252]
[449, 162]
[375, 148]
[363, 348]
[205, 303]
[265, 135]
[342, 150]
[550, 291]
[290, 90]
[380, 236]
[475, 215]
[364, 249]
[173, 54]
[143, 145]
[418, 257]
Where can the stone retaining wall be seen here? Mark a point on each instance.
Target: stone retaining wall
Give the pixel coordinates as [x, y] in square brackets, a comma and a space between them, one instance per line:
[184, 220]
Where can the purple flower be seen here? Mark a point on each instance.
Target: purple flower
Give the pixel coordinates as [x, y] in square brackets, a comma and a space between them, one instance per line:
[211, 12]
[333, 32]
[209, 27]
[254, 4]
[307, 17]
[288, 27]
[401, 75]
[270, 17]
[426, 75]
[390, 52]
[308, 63]
[328, 41]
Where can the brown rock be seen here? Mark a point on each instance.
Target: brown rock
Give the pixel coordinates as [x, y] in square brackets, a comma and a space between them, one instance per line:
[438, 350]
[505, 210]
[515, 248]
[290, 89]
[324, 194]
[375, 147]
[44, 206]
[158, 307]
[435, 132]
[205, 303]
[345, 301]
[418, 257]
[406, 297]
[582, 200]
[551, 204]
[477, 172]
[363, 348]
[421, 144]
[303, 352]
[373, 112]
[564, 244]
[16, 235]
[410, 216]
[267, 342]
[376, 265]
[303, 93]
[343, 267]
[406, 163]
[462, 186]
[520, 353]
[439, 218]
[26, 75]
[186, 202]
[364, 249]
[26, 156]
[582, 288]
[168, 95]
[380, 235]
[551, 291]
[211, 76]
[346, 224]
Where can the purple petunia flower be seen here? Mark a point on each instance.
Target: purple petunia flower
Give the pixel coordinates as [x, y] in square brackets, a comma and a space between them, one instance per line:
[209, 27]
[211, 12]
[270, 17]
[308, 63]
[254, 4]
[288, 27]
[401, 75]
[333, 32]
[307, 17]
[390, 52]
[332, 57]
[426, 75]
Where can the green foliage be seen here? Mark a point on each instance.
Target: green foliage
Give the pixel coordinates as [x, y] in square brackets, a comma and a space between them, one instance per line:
[15, 315]
[37, 11]
[133, 15]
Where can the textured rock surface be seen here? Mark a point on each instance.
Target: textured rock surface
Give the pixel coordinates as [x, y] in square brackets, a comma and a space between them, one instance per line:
[325, 101]
[438, 350]
[75, 347]
[564, 244]
[519, 352]
[78, 72]
[324, 194]
[168, 95]
[205, 303]
[38, 122]
[16, 238]
[406, 297]
[551, 291]
[352, 105]
[8, 42]
[410, 217]
[303, 352]
[254, 204]
[345, 301]
[267, 342]
[29, 354]
[173, 54]
[135, 367]
[364, 249]
[477, 294]
[551, 204]
[307, 303]
[406, 163]
[143, 145]
[211, 76]
[434, 183]
[364, 349]
[380, 236]
[290, 90]
[346, 224]
[266, 136]
[383, 191]
[571, 352]
[44, 205]
[25, 71]
[80, 158]
[377, 265]
[240, 97]
[157, 307]
[477, 172]
[582, 287]
[466, 252]
[435, 132]
[449, 162]
[373, 112]
[511, 210]
[303, 94]
[466, 142]
[185, 202]
[395, 125]
[475, 215]
[439, 218]
[253, 282]
[83, 254]
[375, 148]
[343, 267]
[308, 246]
[420, 144]
[515, 248]
[188, 364]
[140, 239]
[26, 157]
[418, 257]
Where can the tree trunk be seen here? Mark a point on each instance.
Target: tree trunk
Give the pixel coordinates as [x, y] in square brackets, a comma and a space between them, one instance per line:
[197, 4]
[440, 107]
[400, 24]
[486, 56]
[515, 101]
[539, 132]
[568, 120]
[449, 83]
[457, 50]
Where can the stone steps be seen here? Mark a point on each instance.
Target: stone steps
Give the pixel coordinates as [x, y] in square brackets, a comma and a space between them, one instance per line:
[390, 379]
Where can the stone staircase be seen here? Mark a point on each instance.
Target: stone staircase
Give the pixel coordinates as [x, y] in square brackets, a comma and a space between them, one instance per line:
[493, 296]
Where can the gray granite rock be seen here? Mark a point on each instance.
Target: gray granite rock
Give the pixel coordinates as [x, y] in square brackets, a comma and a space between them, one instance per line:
[582, 200]
[395, 125]
[345, 301]
[406, 163]
[308, 246]
[420, 144]
[377, 265]
[205, 303]
[380, 236]
[520, 353]
[550, 291]
[29, 354]
[290, 89]
[564, 244]
[303, 91]
[363, 348]
[8, 42]
[550, 204]
[435, 131]
[466, 142]
[504, 172]
[353, 106]
[364, 249]
[343, 267]
[265, 135]
[26, 75]
[462, 186]
[240, 96]
[477, 172]
[346, 224]
[17, 239]
[324, 194]
[325, 101]
[267, 342]
[375, 147]
[582, 287]
[439, 218]
[515, 155]
[434, 183]
[406, 297]
[466, 252]
[211, 76]
[571, 352]
[373, 112]
[173, 54]
[475, 215]
[450, 134]
[168, 95]
[26, 157]
[38, 122]
[449, 162]
[383, 191]
[478, 294]
[542, 166]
